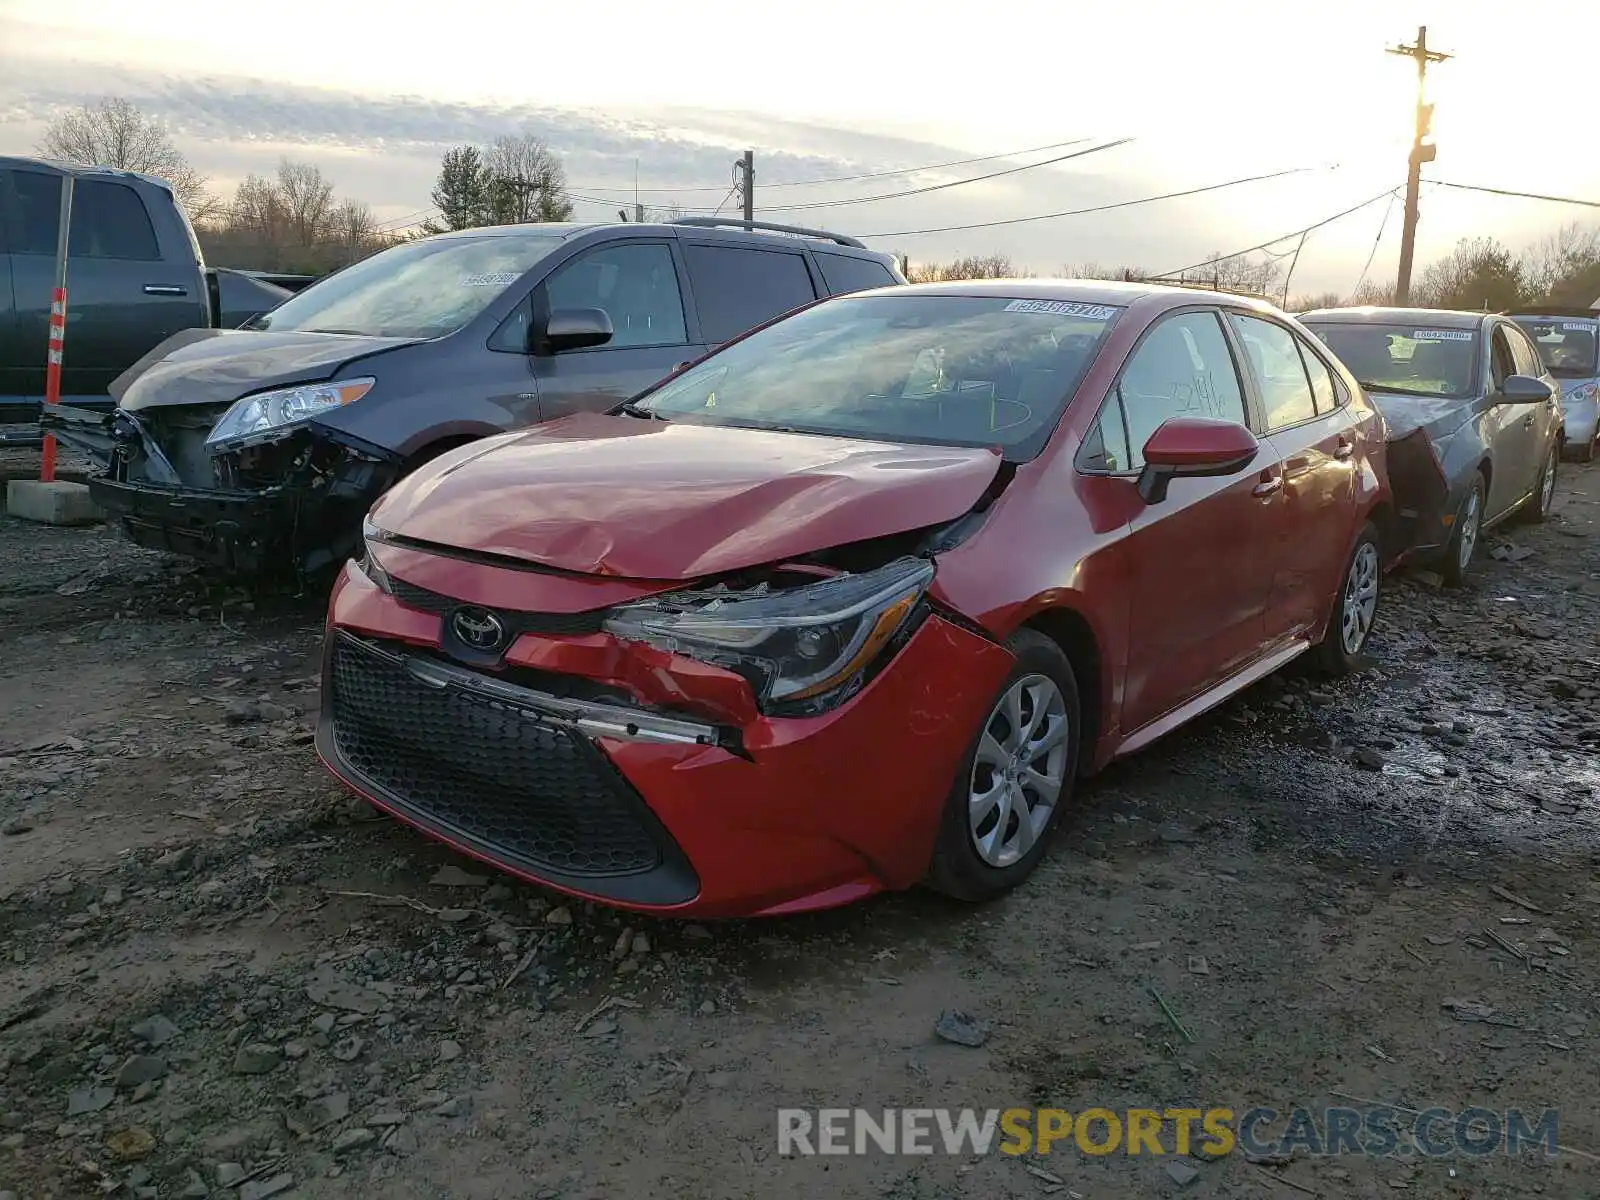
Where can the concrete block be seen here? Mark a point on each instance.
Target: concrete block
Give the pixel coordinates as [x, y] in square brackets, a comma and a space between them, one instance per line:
[55, 503]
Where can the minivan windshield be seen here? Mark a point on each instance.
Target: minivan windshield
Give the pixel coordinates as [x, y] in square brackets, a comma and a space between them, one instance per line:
[1410, 359]
[423, 289]
[956, 370]
[1567, 345]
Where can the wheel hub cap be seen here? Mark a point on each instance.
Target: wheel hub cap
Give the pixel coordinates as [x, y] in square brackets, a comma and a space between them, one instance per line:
[1018, 771]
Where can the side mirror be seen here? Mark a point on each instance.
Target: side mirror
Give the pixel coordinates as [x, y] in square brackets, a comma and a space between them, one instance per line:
[577, 329]
[1193, 447]
[1524, 389]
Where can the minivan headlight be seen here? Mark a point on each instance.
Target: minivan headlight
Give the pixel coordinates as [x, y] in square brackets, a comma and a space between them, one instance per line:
[253, 417]
[802, 649]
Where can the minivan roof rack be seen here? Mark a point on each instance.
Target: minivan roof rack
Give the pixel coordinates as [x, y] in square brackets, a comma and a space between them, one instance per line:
[1555, 310]
[798, 230]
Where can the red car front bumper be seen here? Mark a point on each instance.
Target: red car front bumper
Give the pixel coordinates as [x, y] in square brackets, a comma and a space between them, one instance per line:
[774, 815]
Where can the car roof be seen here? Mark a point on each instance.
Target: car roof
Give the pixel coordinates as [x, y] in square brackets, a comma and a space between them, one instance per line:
[1086, 291]
[1427, 318]
[57, 166]
[571, 229]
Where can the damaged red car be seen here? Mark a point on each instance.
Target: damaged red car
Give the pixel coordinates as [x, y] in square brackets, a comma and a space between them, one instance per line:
[853, 602]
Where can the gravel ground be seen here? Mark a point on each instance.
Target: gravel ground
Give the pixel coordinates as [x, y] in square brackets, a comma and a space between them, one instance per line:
[221, 977]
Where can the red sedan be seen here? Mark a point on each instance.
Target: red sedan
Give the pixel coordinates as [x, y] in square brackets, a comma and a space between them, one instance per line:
[852, 603]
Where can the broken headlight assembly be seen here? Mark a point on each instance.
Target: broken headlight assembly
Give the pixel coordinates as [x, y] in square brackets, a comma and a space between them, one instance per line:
[265, 414]
[367, 564]
[802, 649]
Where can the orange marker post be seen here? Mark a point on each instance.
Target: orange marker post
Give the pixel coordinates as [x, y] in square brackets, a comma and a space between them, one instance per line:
[58, 328]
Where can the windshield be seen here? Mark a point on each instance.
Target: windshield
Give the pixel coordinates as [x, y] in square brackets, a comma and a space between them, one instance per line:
[1566, 345]
[957, 370]
[1406, 358]
[422, 289]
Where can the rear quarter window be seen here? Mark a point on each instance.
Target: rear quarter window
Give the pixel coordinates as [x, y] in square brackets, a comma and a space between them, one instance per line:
[842, 274]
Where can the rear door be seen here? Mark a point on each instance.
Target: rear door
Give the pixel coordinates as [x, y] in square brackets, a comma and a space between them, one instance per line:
[1309, 429]
[1199, 568]
[637, 284]
[122, 298]
[737, 287]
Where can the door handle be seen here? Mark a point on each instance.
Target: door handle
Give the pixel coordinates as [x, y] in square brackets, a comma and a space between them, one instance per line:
[1267, 486]
[1344, 449]
[164, 289]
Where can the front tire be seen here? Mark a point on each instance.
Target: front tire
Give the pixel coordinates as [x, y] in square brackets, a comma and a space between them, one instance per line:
[1355, 607]
[1015, 779]
[1463, 545]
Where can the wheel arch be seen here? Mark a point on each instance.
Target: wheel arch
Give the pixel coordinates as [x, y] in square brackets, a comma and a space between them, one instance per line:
[1070, 629]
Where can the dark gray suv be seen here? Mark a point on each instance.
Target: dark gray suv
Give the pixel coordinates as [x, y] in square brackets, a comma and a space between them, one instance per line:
[259, 449]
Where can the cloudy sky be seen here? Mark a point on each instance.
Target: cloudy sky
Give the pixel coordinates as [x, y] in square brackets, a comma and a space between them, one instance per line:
[670, 94]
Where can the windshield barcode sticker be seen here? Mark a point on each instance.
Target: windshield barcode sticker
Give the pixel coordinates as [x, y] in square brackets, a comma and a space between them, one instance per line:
[490, 279]
[1578, 326]
[1442, 335]
[1064, 308]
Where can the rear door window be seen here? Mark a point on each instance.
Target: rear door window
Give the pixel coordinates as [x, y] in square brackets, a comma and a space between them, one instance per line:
[1323, 389]
[1279, 370]
[109, 220]
[737, 288]
[844, 274]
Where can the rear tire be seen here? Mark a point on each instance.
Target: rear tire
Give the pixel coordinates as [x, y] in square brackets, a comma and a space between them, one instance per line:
[1463, 545]
[993, 831]
[1355, 607]
[1536, 509]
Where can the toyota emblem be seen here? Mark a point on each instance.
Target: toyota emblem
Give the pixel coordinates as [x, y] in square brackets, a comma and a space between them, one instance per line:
[478, 628]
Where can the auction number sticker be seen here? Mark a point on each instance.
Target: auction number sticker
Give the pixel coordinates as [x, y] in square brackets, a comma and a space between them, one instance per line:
[490, 279]
[1064, 308]
[1442, 335]
[1577, 326]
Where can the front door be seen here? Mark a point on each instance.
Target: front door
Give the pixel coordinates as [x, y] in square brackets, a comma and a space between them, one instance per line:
[1199, 568]
[1508, 429]
[636, 283]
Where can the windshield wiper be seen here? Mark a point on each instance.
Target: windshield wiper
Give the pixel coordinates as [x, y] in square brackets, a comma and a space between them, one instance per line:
[635, 410]
[1403, 391]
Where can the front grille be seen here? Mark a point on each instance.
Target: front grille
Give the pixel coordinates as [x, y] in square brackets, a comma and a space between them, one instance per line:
[555, 624]
[535, 795]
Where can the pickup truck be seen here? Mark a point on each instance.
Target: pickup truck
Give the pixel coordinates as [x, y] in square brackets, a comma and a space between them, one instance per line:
[135, 276]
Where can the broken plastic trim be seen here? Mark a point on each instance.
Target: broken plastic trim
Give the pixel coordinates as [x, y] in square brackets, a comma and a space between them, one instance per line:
[590, 718]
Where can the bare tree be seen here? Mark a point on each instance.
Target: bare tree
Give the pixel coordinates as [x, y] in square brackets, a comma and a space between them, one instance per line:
[1479, 273]
[1305, 303]
[1094, 270]
[113, 133]
[307, 200]
[528, 182]
[973, 266]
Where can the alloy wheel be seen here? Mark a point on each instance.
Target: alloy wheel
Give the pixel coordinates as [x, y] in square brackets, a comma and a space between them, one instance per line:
[1018, 771]
[1360, 598]
[1470, 519]
[1547, 485]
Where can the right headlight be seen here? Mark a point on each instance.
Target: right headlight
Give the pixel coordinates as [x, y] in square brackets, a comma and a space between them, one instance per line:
[265, 414]
[802, 649]
[368, 563]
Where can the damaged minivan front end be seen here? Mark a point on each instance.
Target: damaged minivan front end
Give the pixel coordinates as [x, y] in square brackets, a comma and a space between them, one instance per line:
[251, 483]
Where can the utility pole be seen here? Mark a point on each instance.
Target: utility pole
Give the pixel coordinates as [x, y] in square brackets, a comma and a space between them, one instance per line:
[1421, 151]
[747, 183]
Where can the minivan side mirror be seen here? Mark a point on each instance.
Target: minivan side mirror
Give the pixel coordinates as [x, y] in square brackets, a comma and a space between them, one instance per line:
[1524, 389]
[1193, 447]
[577, 329]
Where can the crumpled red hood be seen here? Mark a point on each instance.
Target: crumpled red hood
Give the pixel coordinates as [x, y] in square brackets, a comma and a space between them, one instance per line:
[644, 499]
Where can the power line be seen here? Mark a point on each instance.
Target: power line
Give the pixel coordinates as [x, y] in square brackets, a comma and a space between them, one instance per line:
[1468, 187]
[938, 187]
[959, 162]
[1078, 212]
[1205, 262]
[1382, 225]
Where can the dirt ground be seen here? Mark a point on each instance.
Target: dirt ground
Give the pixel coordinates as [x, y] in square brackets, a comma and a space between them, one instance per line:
[220, 976]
